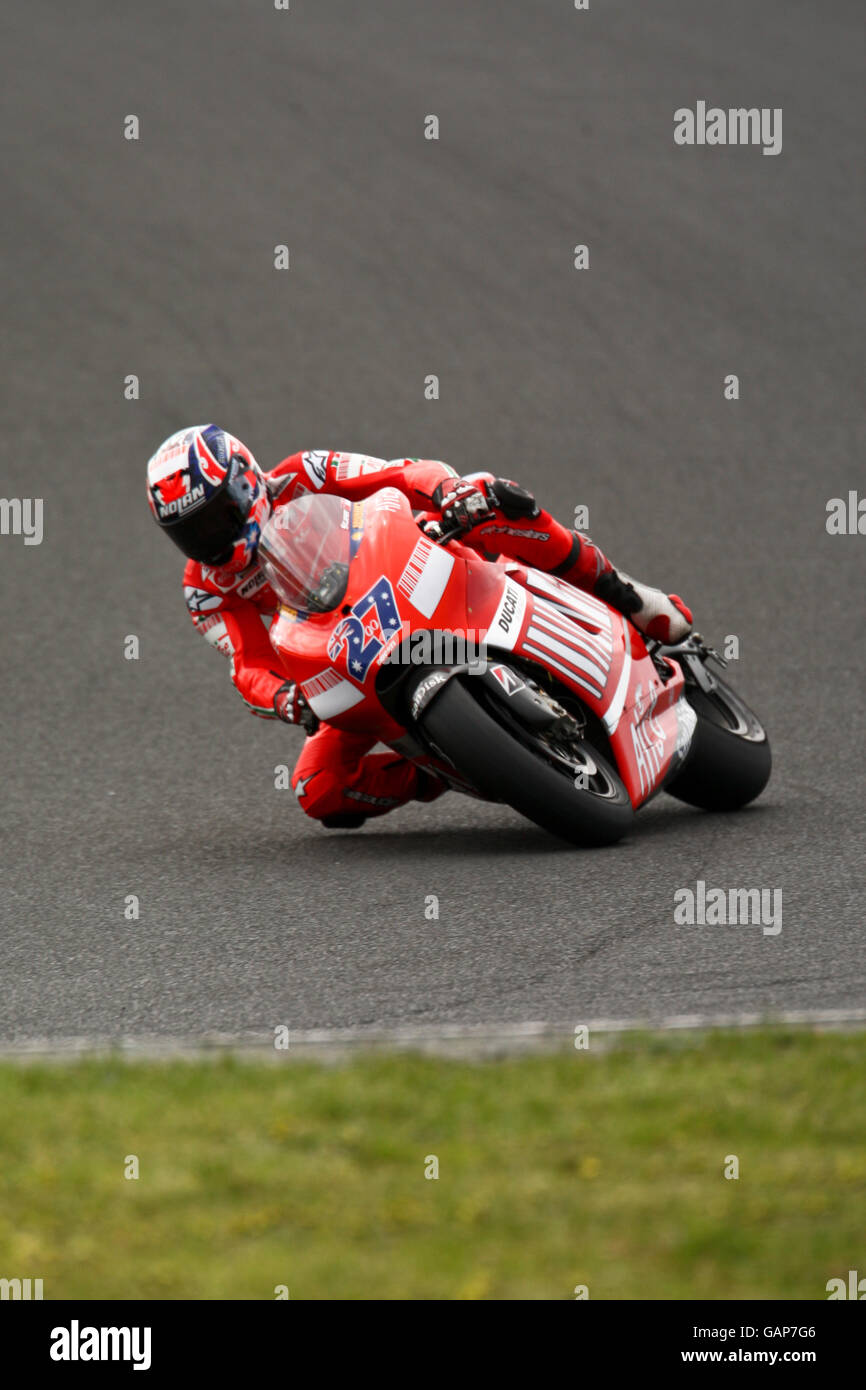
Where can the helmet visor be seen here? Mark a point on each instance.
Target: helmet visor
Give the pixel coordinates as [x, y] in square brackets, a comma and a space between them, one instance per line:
[208, 533]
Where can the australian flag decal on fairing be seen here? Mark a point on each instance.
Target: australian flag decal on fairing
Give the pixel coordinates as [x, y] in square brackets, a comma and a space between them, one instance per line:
[371, 624]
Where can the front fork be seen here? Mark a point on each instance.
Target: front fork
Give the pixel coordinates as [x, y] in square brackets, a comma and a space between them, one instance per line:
[692, 655]
[717, 700]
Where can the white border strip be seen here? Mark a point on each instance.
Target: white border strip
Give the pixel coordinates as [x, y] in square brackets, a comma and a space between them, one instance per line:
[446, 1039]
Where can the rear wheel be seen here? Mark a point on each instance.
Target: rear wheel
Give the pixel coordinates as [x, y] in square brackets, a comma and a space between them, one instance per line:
[554, 777]
[729, 761]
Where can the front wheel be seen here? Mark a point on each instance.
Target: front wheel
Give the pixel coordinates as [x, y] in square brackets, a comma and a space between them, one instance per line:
[729, 762]
[565, 787]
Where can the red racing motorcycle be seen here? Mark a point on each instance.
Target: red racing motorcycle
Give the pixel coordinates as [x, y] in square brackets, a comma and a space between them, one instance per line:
[502, 680]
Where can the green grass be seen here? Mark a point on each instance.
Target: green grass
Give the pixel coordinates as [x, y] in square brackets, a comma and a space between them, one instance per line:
[602, 1168]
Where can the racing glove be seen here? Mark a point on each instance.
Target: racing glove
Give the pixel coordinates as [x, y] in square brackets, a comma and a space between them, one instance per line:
[513, 501]
[466, 502]
[461, 503]
[292, 708]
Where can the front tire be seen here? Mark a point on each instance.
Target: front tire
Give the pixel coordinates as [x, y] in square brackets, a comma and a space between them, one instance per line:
[512, 765]
[729, 761]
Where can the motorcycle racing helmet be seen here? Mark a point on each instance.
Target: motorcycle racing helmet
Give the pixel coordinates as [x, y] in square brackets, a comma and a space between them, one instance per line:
[208, 494]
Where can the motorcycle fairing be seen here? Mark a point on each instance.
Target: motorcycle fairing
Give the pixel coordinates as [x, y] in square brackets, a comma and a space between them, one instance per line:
[401, 582]
[602, 657]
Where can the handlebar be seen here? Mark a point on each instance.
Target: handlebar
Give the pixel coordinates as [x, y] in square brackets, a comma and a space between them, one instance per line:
[445, 536]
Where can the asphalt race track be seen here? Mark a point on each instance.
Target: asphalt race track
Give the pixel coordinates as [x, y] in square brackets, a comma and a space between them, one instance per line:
[602, 387]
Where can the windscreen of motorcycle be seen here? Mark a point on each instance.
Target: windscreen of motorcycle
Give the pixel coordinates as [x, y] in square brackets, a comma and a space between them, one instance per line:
[304, 551]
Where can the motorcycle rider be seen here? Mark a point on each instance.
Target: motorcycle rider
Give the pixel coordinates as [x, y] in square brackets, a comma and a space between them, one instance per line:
[208, 494]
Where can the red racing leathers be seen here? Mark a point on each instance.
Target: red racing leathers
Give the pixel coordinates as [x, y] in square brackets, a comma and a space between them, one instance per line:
[336, 775]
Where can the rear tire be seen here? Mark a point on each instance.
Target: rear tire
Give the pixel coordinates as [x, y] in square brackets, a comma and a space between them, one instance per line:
[729, 761]
[512, 767]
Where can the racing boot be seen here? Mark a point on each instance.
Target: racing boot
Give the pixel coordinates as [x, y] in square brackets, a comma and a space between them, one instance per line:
[659, 615]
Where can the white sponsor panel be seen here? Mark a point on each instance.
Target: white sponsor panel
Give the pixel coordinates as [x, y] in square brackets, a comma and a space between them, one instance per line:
[557, 637]
[568, 627]
[581, 629]
[576, 600]
[568, 654]
[555, 620]
[426, 576]
[507, 621]
[355, 465]
[328, 694]
[547, 659]
[575, 637]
